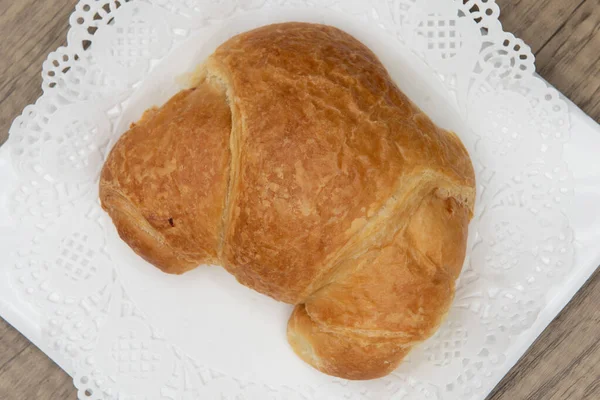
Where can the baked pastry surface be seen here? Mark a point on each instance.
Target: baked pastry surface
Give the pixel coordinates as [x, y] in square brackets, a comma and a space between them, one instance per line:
[298, 165]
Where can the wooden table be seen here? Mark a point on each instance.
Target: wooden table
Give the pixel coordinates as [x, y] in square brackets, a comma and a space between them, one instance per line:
[564, 363]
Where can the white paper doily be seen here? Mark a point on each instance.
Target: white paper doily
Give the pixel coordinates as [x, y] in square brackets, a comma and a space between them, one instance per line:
[130, 332]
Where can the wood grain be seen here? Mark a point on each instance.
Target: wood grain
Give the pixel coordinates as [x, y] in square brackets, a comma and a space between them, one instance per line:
[574, 51]
[564, 363]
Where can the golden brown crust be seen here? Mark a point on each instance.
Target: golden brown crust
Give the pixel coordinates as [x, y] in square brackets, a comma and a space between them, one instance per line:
[164, 182]
[326, 139]
[344, 355]
[314, 180]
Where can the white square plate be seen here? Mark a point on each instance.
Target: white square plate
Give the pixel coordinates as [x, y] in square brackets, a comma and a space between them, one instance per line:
[122, 329]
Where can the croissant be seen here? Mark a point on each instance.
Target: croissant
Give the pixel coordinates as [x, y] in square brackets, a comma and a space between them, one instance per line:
[298, 165]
